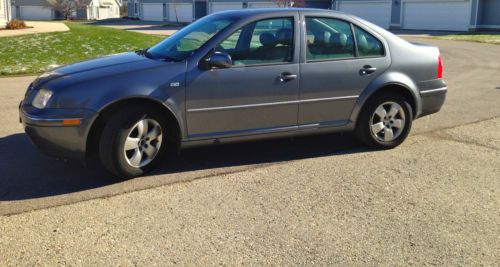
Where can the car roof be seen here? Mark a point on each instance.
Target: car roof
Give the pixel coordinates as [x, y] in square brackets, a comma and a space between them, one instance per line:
[248, 12]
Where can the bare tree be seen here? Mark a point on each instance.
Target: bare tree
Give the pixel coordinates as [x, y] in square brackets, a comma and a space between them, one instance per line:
[290, 3]
[175, 11]
[67, 7]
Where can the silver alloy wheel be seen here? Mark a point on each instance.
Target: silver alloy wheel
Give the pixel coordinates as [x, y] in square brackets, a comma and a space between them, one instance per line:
[388, 121]
[143, 143]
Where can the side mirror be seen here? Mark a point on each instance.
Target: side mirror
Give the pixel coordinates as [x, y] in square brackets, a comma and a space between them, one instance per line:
[217, 60]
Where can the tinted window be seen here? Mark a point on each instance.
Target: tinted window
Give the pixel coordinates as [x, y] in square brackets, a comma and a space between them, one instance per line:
[184, 42]
[368, 45]
[232, 41]
[261, 42]
[328, 39]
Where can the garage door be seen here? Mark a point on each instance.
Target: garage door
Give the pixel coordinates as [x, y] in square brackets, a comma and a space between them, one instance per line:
[103, 12]
[377, 12]
[262, 5]
[436, 15]
[36, 13]
[184, 12]
[152, 12]
[216, 7]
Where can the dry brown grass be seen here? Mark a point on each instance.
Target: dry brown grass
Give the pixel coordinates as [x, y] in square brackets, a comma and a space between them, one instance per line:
[16, 24]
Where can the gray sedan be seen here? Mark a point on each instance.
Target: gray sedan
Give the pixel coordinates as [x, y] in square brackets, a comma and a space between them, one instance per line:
[234, 76]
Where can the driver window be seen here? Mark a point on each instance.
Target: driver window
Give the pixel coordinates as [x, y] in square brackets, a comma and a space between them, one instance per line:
[262, 42]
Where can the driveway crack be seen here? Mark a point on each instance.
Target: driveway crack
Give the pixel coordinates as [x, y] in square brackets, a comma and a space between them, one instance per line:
[449, 137]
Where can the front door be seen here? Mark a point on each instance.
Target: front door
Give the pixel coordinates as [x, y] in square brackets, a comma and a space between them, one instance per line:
[257, 94]
[340, 61]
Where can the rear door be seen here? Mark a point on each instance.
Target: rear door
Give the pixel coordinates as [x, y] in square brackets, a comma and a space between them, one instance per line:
[340, 60]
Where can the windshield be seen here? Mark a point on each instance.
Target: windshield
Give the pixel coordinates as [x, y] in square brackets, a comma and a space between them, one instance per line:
[186, 41]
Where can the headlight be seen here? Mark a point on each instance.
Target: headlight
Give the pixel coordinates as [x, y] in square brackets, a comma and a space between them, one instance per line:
[41, 99]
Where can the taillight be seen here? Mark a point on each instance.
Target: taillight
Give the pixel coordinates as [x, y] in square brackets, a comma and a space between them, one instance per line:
[440, 68]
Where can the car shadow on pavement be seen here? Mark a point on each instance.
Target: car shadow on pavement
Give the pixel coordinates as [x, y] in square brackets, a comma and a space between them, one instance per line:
[26, 174]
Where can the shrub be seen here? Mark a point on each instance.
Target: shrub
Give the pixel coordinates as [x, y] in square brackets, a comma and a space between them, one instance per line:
[15, 24]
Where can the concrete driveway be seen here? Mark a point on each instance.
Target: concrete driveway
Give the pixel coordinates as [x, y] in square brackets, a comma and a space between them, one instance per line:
[312, 200]
[142, 26]
[36, 27]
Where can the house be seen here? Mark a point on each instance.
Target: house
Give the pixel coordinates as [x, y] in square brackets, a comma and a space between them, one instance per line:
[440, 15]
[41, 10]
[189, 10]
[100, 9]
[5, 14]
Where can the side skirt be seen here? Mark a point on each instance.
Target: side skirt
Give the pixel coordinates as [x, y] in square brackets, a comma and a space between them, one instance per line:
[301, 130]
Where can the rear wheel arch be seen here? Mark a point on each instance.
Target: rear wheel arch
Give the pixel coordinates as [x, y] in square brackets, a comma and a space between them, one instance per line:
[394, 88]
[107, 111]
[400, 89]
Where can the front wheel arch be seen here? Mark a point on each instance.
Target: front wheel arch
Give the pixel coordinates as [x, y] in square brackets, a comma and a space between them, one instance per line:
[98, 124]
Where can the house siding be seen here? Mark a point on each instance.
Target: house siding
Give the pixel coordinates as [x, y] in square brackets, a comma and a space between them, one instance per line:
[130, 10]
[5, 12]
[31, 3]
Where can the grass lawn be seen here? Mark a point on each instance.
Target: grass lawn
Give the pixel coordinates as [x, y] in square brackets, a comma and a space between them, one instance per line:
[32, 54]
[473, 37]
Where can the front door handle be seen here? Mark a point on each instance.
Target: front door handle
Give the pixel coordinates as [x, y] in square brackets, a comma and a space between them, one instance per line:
[287, 76]
[367, 70]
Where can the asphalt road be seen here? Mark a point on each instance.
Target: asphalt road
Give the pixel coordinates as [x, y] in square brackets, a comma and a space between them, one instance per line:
[325, 199]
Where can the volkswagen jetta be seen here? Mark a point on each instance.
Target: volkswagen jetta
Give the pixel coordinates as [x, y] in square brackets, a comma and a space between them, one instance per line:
[234, 76]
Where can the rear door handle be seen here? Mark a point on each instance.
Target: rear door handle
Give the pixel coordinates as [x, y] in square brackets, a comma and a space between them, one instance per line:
[287, 76]
[367, 70]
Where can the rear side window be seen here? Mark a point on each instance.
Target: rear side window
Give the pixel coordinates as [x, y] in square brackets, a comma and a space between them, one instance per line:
[328, 38]
[368, 45]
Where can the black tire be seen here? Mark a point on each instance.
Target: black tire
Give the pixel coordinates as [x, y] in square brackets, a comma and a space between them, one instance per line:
[368, 116]
[116, 130]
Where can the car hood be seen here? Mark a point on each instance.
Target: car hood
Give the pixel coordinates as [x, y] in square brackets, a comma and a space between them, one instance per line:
[99, 67]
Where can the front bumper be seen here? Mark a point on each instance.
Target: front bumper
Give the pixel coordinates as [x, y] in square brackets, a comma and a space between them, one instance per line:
[48, 132]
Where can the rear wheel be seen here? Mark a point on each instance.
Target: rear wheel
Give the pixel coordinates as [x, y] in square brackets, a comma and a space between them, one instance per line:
[385, 121]
[134, 140]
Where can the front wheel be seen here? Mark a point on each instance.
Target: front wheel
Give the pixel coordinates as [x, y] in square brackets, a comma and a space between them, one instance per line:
[385, 121]
[134, 141]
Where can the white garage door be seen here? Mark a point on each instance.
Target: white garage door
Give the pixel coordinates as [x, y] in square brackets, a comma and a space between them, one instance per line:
[262, 5]
[436, 15]
[103, 12]
[377, 12]
[184, 12]
[152, 12]
[216, 7]
[36, 13]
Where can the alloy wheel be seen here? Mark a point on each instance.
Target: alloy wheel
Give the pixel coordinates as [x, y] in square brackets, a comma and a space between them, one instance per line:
[143, 143]
[387, 122]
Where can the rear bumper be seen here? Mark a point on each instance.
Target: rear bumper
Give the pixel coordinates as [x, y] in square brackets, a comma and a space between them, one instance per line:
[432, 100]
[48, 133]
